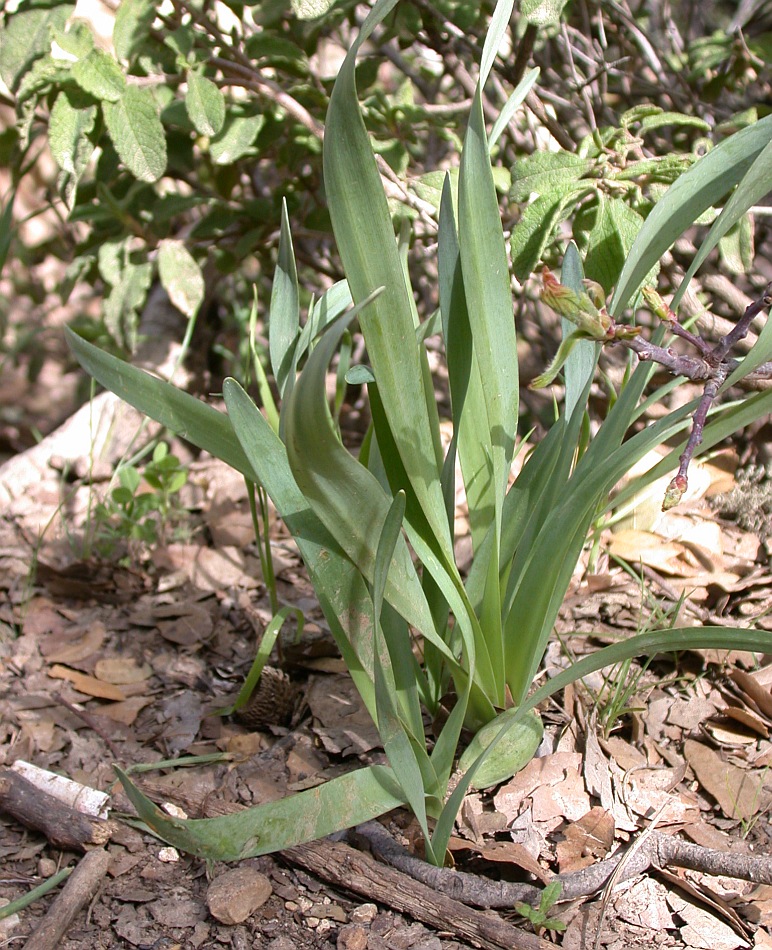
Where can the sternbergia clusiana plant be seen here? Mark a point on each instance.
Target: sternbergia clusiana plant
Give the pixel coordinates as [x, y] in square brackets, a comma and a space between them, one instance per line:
[377, 533]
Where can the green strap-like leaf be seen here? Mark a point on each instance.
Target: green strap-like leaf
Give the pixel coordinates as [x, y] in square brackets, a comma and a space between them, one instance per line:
[486, 279]
[345, 496]
[365, 238]
[315, 813]
[284, 320]
[698, 189]
[755, 184]
[581, 363]
[190, 418]
[648, 644]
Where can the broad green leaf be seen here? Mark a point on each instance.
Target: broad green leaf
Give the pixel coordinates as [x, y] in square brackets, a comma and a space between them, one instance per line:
[77, 41]
[27, 36]
[235, 139]
[698, 189]
[133, 19]
[543, 172]
[755, 184]
[345, 496]
[44, 74]
[137, 133]
[69, 130]
[205, 105]
[365, 238]
[736, 247]
[339, 586]
[264, 829]
[401, 752]
[512, 753]
[100, 76]
[545, 560]
[466, 392]
[181, 277]
[649, 644]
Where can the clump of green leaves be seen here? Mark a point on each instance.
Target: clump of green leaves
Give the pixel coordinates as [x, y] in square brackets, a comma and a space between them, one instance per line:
[144, 508]
[376, 531]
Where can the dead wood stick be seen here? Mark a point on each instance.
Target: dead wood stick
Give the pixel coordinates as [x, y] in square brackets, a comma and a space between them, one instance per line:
[357, 872]
[80, 888]
[63, 826]
[658, 851]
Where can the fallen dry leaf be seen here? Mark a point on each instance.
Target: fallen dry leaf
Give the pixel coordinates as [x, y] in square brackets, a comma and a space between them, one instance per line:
[89, 685]
[122, 670]
[586, 840]
[739, 793]
[77, 650]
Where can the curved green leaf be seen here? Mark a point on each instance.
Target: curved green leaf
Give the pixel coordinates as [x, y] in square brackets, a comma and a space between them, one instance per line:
[698, 189]
[190, 418]
[647, 644]
[345, 496]
[338, 804]
[756, 183]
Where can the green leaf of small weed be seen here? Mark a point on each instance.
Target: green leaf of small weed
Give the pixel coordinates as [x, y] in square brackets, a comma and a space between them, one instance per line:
[205, 104]
[69, 129]
[137, 133]
[236, 139]
[100, 76]
[180, 276]
[310, 9]
[543, 172]
[132, 25]
[27, 36]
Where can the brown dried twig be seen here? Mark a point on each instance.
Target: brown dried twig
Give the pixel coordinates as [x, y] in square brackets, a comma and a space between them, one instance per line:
[657, 850]
[714, 366]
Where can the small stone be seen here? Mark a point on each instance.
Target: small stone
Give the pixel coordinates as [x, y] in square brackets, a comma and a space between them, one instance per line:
[352, 937]
[364, 914]
[46, 867]
[235, 895]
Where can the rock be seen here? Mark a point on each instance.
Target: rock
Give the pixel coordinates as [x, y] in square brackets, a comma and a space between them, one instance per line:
[235, 895]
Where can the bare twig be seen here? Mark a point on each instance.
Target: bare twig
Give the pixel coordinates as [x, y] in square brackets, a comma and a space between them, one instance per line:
[713, 367]
[82, 885]
[657, 850]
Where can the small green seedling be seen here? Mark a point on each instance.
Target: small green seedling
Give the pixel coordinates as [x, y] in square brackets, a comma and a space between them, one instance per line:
[141, 517]
[539, 916]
